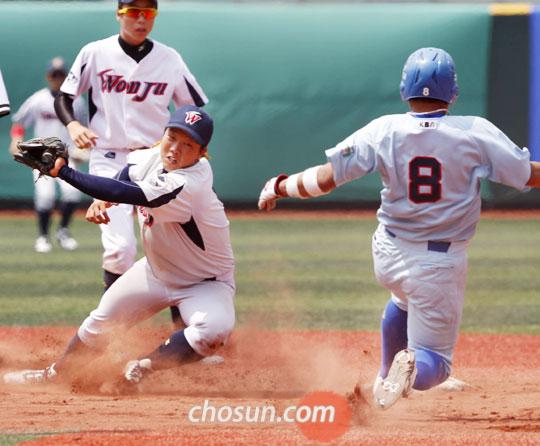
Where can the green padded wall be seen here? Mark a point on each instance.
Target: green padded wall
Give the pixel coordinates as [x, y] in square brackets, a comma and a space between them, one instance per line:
[286, 81]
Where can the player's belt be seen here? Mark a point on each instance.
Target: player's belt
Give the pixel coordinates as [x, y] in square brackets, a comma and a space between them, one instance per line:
[432, 245]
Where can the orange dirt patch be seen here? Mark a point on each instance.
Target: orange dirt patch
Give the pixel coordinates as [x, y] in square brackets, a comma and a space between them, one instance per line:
[262, 368]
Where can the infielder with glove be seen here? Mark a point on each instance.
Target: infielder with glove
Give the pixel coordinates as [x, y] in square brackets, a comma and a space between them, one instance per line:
[431, 164]
[185, 232]
[38, 112]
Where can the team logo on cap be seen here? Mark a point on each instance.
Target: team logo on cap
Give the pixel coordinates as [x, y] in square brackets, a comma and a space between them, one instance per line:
[192, 117]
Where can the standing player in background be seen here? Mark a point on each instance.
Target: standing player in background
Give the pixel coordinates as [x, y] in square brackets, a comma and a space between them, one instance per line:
[188, 255]
[4, 101]
[431, 164]
[131, 81]
[38, 112]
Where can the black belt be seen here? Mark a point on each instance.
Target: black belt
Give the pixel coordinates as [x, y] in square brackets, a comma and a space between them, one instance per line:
[432, 245]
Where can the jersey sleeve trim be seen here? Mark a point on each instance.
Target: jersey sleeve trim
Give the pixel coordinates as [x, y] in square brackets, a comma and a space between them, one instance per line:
[197, 99]
[123, 175]
[164, 199]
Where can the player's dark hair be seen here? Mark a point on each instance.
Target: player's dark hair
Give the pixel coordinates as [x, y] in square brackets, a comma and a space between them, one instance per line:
[427, 101]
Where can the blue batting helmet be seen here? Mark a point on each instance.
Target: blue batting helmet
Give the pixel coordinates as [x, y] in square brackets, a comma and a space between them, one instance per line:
[429, 73]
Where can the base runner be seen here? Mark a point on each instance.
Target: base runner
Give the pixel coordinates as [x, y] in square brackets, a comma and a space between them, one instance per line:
[431, 164]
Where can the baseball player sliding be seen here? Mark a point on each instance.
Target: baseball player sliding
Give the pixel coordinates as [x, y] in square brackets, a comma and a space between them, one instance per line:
[131, 80]
[189, 261]
[4, 101]
[431, 164]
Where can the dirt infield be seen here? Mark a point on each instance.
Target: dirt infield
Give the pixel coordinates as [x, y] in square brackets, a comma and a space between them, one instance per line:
[279, 368]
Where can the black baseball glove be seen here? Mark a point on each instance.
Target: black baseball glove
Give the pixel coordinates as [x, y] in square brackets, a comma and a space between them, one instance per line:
[41, 153]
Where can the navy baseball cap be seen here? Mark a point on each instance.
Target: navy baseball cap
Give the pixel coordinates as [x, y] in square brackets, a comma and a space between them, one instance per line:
[194, 121]
[129, 2]
[56, 65]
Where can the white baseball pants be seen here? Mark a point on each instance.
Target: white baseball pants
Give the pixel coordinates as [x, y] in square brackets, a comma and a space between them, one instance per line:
[45, 192]
[207, 309]
[117, 237]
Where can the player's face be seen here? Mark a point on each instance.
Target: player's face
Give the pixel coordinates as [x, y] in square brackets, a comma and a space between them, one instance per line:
[179, 150]
[55, 80]
[135, 29]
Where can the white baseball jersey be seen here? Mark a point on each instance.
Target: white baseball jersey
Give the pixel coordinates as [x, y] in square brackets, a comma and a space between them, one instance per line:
[38, 112]
[431, 169]
[4, 101]
[129, 101]
[186, 241]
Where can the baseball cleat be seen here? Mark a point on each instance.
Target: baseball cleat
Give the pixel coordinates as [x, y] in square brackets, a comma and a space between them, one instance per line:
[453, 385]
[31, 376]
[378, 382]
[42, 245]
[135, 370]
[399, 381]
[213, 360]
[65, 239]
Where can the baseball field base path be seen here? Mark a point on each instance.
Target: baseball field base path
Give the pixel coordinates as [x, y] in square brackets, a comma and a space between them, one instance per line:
[500, 405]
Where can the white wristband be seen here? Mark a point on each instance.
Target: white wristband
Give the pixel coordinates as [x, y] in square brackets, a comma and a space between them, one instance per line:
[291, 186]
[311, 185]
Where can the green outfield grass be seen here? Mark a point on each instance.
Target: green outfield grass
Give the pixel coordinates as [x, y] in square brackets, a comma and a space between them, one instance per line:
[9, 440]
[291, 273]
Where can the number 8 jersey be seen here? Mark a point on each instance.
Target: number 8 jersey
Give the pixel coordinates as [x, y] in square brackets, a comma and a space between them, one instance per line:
[431, 165]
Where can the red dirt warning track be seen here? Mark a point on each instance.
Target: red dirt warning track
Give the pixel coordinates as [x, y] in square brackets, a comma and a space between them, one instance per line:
[502, 404]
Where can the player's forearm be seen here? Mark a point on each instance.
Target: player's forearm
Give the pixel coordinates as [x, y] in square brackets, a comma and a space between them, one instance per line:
[63, 106]
[106, 189]
[312, 182]
[534, 180]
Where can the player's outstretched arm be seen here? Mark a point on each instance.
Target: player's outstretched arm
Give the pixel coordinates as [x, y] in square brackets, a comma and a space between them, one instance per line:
[534, 180]
[106, 189]
[312, 182]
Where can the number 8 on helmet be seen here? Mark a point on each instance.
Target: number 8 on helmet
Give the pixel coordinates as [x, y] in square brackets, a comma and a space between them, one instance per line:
[429, 73]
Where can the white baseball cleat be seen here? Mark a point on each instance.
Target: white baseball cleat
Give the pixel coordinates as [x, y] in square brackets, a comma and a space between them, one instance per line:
[31, 376]
[399, 381]
[213, 360]
[135, 370]
[65, 240]
[42, 245]
[453, 385]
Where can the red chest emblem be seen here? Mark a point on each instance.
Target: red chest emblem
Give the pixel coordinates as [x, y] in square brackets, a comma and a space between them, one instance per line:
[192, 117]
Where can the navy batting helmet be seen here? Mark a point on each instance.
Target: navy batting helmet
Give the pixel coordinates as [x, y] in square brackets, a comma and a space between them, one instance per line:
[429, 73]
